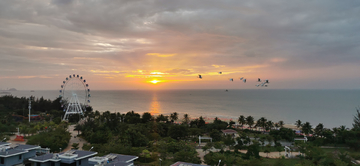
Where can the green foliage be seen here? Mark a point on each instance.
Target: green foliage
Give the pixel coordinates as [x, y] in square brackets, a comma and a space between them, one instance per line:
[306, 128]
[53, 139]
[75, 146]
[178, 131]
[356, 124]
[215, 135]
[250, 121]
[283, 133]
[253, 151]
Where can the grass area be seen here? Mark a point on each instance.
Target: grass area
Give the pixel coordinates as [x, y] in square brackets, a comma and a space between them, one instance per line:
[279, 162]
[155, 163]
[352, 153]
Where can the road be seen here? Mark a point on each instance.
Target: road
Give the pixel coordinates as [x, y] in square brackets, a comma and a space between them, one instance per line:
[78, 140]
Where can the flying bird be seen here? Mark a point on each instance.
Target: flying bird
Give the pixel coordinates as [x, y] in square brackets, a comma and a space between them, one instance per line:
[200, 76]
[241, 78]
[220, 72]
[244, 80]
[267, 81]
[257, 85]
[231, 79]
[259, 80]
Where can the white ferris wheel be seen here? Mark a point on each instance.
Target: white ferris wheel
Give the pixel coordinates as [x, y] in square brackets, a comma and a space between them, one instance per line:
[75, 94]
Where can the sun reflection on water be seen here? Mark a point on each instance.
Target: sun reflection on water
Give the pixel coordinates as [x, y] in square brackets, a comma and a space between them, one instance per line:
[155, 106]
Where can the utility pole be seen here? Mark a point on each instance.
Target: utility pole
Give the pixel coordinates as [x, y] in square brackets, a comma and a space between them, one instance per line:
[29, 107]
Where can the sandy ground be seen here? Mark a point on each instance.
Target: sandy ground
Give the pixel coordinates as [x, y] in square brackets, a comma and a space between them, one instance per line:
[78, 140]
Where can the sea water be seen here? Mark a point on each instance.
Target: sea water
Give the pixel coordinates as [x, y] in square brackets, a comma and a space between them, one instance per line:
[330, 107]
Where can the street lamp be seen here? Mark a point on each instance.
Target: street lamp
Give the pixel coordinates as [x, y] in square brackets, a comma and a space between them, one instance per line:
[29, 107]
[160, 161]
[60, 150]
[219, 162]
[3, 140]
[91, 148]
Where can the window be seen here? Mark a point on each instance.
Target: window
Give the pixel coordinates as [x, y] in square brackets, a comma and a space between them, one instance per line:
[1, 160]
[38, 164]
[79, 162]
[52, 164]
[20, 157]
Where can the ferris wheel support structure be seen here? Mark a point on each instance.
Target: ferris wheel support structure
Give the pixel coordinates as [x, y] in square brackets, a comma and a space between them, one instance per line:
[73, 88]
[74, 107]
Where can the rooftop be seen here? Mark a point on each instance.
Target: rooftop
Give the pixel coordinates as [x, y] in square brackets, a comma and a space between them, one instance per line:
[4, 143]
[11, 152]
[80, 154]
[119, 163]
[229, 131]
[45, 158]
[120, 157]
[26, 147]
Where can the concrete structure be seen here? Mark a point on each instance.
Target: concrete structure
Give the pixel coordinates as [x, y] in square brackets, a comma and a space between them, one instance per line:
[113, 160]
[200, 138]
[69, 158]
[17, 155]
[179, 163]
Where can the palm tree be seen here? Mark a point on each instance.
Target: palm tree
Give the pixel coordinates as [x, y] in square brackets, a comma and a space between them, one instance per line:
[306, 128]
[356, 124]
[186, 119]
[263, 122]
[78, 128]
[269, 124]
[174, 117]
[298, 123]
[258, 124]
[250, 121]
[277, 125]
[242, 120]
[281, 123]
[319, 129]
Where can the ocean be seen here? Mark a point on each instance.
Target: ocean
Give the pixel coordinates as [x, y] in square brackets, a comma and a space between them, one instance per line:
[330, 107]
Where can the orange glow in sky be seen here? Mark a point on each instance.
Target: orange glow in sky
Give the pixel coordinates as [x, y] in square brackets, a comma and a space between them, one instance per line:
[154, 81]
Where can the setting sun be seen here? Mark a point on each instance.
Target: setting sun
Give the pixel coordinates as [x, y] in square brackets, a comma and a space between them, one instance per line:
[154, 81]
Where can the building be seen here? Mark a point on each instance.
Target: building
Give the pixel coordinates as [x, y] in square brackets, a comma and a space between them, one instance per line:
[179, 163]
[113, 160]
[69, 158]
[17, 155]
[229, 132]
[32, 155]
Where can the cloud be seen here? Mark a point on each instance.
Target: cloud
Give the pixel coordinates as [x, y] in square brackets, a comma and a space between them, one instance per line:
[161, 55]
[50, 37]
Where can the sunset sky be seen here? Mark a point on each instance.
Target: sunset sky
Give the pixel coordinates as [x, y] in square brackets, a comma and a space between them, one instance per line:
[165, 44]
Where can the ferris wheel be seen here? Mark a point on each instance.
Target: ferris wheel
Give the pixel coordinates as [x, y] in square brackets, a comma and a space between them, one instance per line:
[75, 95]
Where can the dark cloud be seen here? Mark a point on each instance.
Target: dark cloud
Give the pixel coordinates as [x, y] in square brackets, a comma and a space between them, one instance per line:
[83, 35]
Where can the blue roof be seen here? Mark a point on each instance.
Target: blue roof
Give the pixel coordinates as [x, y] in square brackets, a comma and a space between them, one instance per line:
[4, 143]
[12, 152]
[27, 147]
[118, 163]
[123, 158]
[83, 154]
[45, 158]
